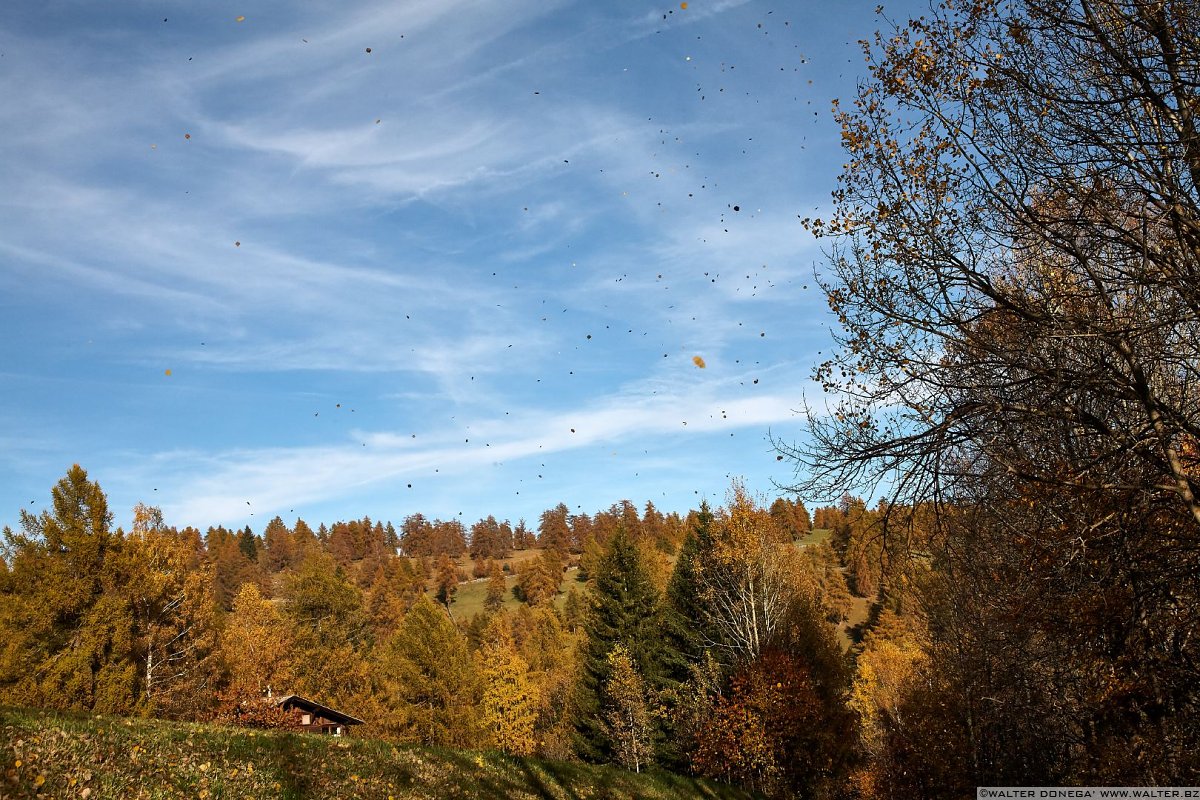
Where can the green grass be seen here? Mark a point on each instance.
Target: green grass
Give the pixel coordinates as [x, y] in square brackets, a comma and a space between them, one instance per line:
[470, 597]
[55, 754]
[815, 536]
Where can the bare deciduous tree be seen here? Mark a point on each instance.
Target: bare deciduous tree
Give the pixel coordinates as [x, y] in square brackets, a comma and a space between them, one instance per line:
[1015, 264]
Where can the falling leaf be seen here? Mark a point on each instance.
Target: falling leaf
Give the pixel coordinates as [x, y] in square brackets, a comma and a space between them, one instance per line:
[168, 373]
[237, 244]
[240, 19]
[187, 136]
[698, 361]
[683, 6]
[368, 49]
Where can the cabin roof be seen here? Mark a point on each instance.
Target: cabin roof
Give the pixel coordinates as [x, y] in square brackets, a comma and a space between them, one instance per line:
[296, 701]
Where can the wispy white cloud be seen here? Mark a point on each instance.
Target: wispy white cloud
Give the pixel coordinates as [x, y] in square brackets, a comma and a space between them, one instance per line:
[272, 480]
[535, 168]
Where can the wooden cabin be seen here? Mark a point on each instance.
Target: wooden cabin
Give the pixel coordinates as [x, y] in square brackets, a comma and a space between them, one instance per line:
[313, 717]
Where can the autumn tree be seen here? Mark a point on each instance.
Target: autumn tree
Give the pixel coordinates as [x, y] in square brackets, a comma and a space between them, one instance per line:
[582, 531]
[395, 586]
[445, 580]
[628, 717]
[791, 517]
[230, 566]
[832, 593]
[538, 582]
[655, 529]
[497, 588]
[429, 682]
[554, 530]
[746, 577]
[572, 610]
[886, 675]
[304, 540]
[765, 733]
[256, 648]
[553, 658]
[1013, 262]
[416, 536]
[358, 540]
[783, 725]
[523, 538]
[509, 703]
[168, 596]
[136, 610]
[56, 638]
[489, 539]
[332, 633]
[450, 537]
[279, 551]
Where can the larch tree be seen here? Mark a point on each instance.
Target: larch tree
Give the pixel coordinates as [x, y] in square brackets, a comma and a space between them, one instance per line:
[395, 586]
[497, 588]
[257, 649]
[279, 549]
[538, 583]
[885, 671]
[489, 540]
[509, 701]
[429, 681]
[332, 632]
[446, 580]
[554, 531]
[54, 652]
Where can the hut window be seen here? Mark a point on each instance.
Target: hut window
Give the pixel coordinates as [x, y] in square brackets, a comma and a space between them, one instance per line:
[306, 719]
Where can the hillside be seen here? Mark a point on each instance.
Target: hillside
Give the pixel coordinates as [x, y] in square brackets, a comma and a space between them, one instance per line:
[52, 754]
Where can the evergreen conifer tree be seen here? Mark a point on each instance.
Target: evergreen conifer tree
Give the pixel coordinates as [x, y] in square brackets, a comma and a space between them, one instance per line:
[682, 638]
[623, 610]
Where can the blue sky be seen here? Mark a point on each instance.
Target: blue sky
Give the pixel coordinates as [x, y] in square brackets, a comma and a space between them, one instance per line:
[466, 272]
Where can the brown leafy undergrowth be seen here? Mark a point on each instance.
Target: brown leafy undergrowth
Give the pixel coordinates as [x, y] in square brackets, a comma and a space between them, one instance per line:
[78, 755]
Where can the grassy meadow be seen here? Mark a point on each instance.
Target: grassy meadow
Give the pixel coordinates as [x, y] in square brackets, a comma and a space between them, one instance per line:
[79, 755]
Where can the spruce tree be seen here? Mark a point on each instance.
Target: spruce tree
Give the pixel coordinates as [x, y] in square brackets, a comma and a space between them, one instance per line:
[623, 610]
[682, 638]
[683, 633]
